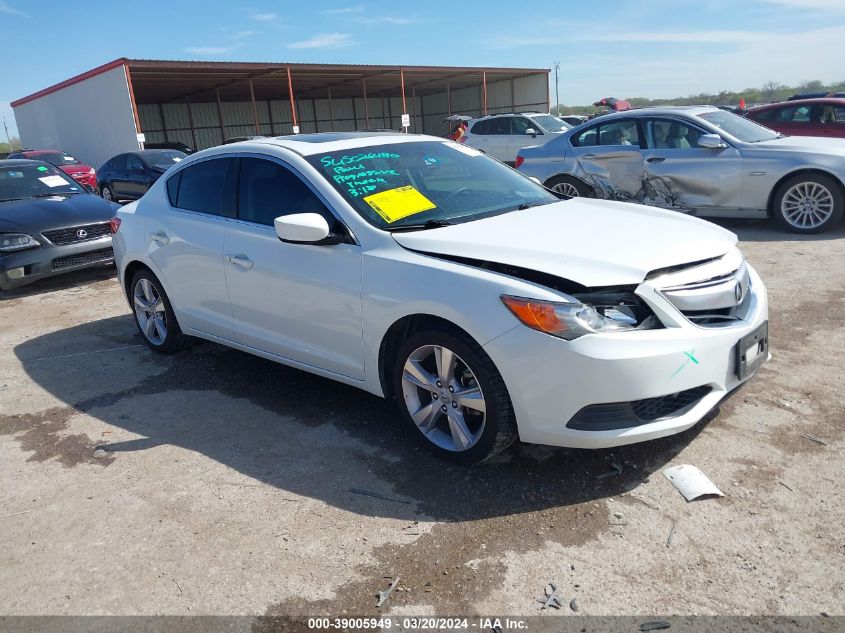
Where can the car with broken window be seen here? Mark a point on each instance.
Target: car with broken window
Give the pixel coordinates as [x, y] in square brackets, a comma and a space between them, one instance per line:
[699, 160]
[421, 270]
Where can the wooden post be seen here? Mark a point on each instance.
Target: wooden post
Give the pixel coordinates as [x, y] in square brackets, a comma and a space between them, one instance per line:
[331, 114]
[448, 97]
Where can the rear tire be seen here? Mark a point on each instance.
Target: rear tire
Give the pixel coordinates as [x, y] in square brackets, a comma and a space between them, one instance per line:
[809, 203]
[107, 194]
[569, 186]
[448, 389]
[154, 314]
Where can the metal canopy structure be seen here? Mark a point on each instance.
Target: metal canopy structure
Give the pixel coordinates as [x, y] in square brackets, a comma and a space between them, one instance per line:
[173, 81]
[204, 103]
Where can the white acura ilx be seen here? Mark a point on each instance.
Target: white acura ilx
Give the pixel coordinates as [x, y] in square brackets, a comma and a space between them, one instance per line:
[422, 270]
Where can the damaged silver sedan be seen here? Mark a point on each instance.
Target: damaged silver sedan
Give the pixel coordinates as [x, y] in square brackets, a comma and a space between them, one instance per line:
[698, 160]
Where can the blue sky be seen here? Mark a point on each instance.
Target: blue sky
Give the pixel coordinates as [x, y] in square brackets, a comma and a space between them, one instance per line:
[623, 48]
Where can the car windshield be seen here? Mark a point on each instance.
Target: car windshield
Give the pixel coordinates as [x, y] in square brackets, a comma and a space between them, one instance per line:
[164, 158]
[34, 181]
[739, 127]
[57, 158]
[551, 123]
[404, 184]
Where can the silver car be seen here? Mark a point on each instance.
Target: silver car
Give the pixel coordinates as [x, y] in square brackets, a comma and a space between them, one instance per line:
[699, 160]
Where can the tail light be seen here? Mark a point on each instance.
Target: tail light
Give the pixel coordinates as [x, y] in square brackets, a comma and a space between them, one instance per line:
[114, 224]
[519, 161]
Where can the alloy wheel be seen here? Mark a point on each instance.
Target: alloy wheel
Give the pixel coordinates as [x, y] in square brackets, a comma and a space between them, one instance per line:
[807, 205]
[107, 195]
[444, 398]
[567, 189]
[150, 311]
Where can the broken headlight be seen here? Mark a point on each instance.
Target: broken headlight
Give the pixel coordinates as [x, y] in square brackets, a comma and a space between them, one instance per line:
[588, 313]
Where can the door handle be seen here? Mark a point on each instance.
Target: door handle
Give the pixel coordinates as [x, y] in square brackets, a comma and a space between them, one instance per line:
[656, 159]
[240, 260]
[588, 155]
[160, 237]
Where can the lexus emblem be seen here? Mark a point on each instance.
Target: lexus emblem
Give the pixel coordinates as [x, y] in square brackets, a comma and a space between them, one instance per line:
[738, 293]
[82, 234]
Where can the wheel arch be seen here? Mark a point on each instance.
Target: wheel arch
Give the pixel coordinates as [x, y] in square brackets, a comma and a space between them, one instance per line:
[798, 172]
[548, 182]
[402, 329]
[129, 273]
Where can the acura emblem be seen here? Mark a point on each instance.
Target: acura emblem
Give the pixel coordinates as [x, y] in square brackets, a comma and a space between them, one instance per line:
[738, 293]
[82, 234]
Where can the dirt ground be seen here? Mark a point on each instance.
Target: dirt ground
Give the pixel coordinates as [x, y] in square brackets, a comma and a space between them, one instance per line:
[232, 485]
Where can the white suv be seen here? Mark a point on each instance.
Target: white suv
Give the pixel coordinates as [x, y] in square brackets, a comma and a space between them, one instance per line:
[503, 135]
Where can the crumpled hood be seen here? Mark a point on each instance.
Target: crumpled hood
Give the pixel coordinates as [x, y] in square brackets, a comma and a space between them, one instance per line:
[591, 242]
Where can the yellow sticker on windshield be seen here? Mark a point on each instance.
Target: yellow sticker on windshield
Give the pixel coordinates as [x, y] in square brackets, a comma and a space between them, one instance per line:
[395, 204]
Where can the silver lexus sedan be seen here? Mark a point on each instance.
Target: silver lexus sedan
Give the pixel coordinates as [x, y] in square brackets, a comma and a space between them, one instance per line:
[698, 160]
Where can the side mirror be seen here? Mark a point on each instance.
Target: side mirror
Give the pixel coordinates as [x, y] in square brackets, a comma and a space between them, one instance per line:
[531, 131]
[305, 228]
[711, 141]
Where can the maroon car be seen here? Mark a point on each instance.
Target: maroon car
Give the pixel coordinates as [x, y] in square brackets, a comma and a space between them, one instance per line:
[79, 171]
[803, 117]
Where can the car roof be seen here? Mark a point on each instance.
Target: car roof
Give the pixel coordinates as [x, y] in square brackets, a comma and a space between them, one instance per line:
[21, 162]
[39, 152]
[324, 142]
[840, 101]
[657, 111]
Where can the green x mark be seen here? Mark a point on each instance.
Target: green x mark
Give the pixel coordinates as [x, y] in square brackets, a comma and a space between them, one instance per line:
[690, 357]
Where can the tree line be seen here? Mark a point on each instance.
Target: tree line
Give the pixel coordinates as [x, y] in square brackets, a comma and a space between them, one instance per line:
[768, 93]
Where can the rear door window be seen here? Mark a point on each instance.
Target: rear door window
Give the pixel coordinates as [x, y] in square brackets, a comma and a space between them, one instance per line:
[587, 138]
[201, 187]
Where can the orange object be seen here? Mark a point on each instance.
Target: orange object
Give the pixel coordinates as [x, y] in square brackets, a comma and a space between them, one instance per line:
[742, 104]
[538, 315]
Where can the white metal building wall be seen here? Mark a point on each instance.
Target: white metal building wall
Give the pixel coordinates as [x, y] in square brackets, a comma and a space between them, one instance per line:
[91, 119]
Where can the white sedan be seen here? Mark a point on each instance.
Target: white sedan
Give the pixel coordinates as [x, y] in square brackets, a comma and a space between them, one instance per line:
[421, 270]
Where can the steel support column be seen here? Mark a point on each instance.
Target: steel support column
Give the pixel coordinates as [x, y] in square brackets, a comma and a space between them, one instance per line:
[191, 123]
[220, 115]
[366, 106]
[254, 108]
[484, 90]
[290, 96]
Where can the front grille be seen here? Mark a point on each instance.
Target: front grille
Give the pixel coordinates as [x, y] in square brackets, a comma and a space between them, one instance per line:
[621, 415]
[710, 300]
[92, 257]
[74, 234]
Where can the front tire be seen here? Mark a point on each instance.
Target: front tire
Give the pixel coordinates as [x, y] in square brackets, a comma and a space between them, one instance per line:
[154, 314]
[450, 391]
[809, 203]
[569, 186]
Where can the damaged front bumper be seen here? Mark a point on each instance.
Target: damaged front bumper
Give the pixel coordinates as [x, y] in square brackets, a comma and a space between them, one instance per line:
[604, 390]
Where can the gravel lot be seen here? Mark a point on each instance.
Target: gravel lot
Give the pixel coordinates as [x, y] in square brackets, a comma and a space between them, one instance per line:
[228, 483]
